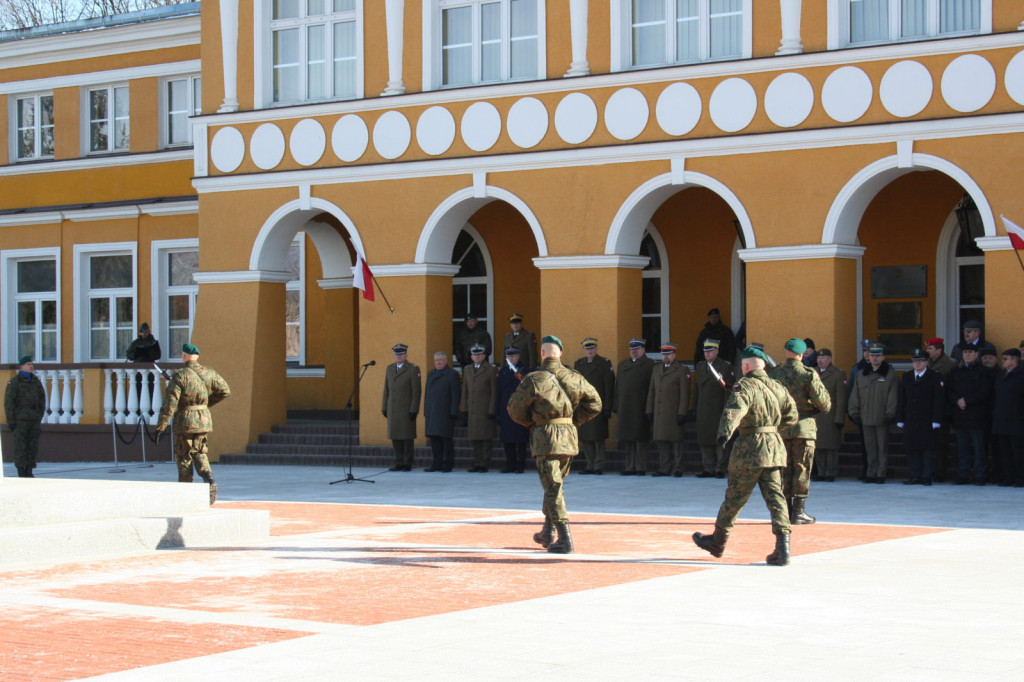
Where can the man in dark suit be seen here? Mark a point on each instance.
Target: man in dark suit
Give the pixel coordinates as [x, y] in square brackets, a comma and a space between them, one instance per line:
[440, 410]
[920, 404]
[1008, 420]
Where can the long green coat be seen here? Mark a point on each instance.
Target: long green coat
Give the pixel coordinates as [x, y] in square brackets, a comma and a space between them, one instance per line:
[633, 379]
[668, 397]
[479, 395]
[600, 375]
[808, 393]
[709, 398]
[830, 424]
[401, 398]
[526, 342]
[757, 402]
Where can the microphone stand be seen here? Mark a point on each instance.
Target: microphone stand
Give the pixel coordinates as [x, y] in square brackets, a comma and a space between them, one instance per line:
[349, 478]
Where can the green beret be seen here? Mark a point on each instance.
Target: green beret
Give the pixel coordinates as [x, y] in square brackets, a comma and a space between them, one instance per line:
[754, 352]
[796, 346]
[24, 360]
[190, 348]
[552, 339]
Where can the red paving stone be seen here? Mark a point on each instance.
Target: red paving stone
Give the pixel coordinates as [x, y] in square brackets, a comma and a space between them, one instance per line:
[461, 559]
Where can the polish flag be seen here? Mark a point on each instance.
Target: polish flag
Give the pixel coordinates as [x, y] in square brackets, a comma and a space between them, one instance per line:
[1016, 233]
[363, 279]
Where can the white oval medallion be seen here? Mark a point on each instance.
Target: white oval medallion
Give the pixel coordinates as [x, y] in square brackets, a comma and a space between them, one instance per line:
[576, 118]
[968, 83]
[906, 88]
[789, 99]
[391, 134]
[481, 126]
[847, 94]
[435, 130]
[527, 122]
[307, 142]
[1013, 78]
[679, 108]
[227, 149]
[267, 146]
[733, 105]
[626, 114]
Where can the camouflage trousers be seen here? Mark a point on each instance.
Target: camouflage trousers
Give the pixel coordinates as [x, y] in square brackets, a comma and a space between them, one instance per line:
[553, 469]
[741, 484]
[26, 443]
[796, 477]
[595, 453]
[190, 450]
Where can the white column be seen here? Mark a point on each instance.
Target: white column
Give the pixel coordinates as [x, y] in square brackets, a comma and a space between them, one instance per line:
[395, 12]
[108, 397]
[578, 28]
[53, 377]
[120, 399]
[78, 402]
[791, 43]
[65, 396]
[133, 396]
[229, 54]
[146, 397]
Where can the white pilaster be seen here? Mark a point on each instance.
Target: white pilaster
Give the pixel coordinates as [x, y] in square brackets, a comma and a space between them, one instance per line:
[395, 12]
[791, 43]
[229, 53]
[578, 12]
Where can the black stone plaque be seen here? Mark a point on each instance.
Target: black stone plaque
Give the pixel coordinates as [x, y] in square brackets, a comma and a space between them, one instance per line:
[899, 315]
[899, 281]
[902, 343]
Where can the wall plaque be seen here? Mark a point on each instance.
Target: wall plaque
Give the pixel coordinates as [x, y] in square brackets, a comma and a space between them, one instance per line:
[899, 315]
[899, 281]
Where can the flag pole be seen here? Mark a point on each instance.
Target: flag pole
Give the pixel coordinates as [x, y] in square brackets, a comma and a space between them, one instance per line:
[382, 295]
[1016, 235]
[1019, 260]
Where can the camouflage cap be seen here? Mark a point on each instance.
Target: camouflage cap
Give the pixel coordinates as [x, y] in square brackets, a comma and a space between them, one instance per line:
[552, 339]
[190, 348]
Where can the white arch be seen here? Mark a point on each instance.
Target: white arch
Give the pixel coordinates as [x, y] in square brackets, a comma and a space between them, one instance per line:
[627, 228]
[442, 228]
[847, 210]
[270, 248]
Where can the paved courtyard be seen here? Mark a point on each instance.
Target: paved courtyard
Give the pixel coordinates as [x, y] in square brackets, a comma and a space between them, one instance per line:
[422, 576]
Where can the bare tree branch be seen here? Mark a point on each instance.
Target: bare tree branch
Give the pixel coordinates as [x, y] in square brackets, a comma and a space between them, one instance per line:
[16, 14]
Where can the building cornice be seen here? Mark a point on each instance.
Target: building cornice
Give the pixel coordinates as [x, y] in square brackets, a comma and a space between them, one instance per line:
[242, 277]
[800, 252]
[177, 208]
[97, 77]
[591, 262]
[994, 243]
[97, 162]
[415, 270]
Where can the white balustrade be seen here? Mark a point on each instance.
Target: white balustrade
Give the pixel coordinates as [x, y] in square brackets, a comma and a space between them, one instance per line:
[63, 403]
[65, 396]
[131, 375]
[120, 397]
[78, 401]
[108, 397]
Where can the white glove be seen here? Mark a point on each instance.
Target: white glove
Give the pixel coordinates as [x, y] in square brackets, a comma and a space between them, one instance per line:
[899, 424]
[936, 425]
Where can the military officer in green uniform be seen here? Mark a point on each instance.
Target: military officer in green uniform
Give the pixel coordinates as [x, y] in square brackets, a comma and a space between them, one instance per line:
[25, 405]
[633, 380]
[472, 335]
[524, 340]
[479, 397]
[190, 394]
[830, 424]
[552, 403]
[710, 389]
[758, 407]
[811, 398]
[597, 370]
[400, 404]
[668, 401]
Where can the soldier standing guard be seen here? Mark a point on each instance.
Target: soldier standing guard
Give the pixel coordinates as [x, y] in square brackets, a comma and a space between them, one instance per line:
[811, 398]
[552, 403]
[713, 377]
[190, 394]
[25, 405]
[668, 400]
[479, 394]
[400, 405]
[632, 429]
[758, 406]
[598, 371]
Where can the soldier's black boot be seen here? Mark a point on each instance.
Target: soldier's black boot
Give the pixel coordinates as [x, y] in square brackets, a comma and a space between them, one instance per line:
[799, 515]
[546, 535]
[213, 488]
[563, 545]
[780, 557]
[713, 544]
[23, 472]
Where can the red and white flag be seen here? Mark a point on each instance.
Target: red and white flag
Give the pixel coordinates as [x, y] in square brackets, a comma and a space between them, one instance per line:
[1016, 233]
[362, 279]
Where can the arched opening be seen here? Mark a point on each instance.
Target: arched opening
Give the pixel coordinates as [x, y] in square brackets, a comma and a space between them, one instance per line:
[472, 285]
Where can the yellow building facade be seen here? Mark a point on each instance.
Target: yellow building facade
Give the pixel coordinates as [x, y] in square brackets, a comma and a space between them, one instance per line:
[832, 169]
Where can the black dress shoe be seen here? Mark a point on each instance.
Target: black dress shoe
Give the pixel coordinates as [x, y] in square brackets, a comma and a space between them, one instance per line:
[446, 470]
[406, 467]
[396, 467]
[720, 474]
[926, 482]
[598, 472]
[830, 479]
[962, 481]
[627, 473]
[912, 481]
[706, 474]
[879, 481]
[677, 474]
[431, 469]
[869, 479]
[509, 470]
[641, 473]
[657, 474]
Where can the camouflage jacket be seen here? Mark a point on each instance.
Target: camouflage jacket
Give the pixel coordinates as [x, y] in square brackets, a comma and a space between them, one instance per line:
[552, 402]
[758, 407]
[807, 391]
[25, 399]
[190, 394]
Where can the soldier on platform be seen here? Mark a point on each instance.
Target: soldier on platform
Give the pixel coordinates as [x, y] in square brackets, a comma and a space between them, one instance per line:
[713, 379]
[758, 407]
[440, 410]
[598, 371]
[633, 379]
[25, 406]
[189, 395]
[400, 405]
[668, 401]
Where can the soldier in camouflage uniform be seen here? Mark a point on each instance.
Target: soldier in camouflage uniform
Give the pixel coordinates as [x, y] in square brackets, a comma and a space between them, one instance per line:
[190, 394]
[25, 405]
[598, 371]
[811, 398]
[759, 407]
[552, 402]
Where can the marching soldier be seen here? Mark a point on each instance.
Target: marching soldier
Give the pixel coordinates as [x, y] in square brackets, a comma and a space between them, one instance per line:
[524, 340]
[25, 405]
[713, 378]
[400, 405]
[668, 400]
[552, 403]
[758, 407]
[811, 398]
[598, 371]
[479, 393]
[632, 429]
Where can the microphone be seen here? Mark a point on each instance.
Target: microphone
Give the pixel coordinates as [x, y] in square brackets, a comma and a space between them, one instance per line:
[371, 363]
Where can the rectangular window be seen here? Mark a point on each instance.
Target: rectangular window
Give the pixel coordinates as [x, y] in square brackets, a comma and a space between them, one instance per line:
[35, 304]
[34, 131]
[108, 119]
[180, 295]
[488, 41]
[879, 21]
[183, 100]
[314, 50]
[111, 305]
[680, 31]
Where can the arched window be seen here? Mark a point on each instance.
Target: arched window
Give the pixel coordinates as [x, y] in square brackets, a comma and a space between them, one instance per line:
[471, 287]
[970, 281]
[654, 303]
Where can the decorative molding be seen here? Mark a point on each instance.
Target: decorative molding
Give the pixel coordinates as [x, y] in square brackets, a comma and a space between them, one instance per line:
[306, 372]
[591, 262]
[177, 208]
[241, 277]
[994, 243]
[791, 42]
[102, 213]
[578, 12]
[25, 219]
[800, 252]
[335, 283]
[96, 162]
[106, 213]
[415, 270]
[101, 77]
[904, 153]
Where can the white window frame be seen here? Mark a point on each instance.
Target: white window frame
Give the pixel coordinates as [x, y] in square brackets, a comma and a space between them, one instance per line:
[161, 290]
[661, 275]
[839, 24]
[432, 73]
[488, 317]
[194, 82]
[622, 36]
[82, 326]
[263, 46]
[86, 109]
[9, 259]
[12, 133]
[300, 286]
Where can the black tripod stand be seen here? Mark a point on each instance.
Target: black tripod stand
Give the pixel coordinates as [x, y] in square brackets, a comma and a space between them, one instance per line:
[348, 428]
